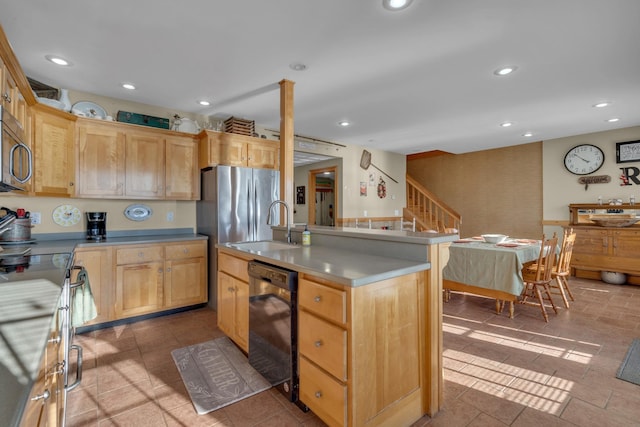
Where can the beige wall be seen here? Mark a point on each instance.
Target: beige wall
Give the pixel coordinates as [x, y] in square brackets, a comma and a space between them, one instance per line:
[495, 191]
[183, 213]
[352, 205]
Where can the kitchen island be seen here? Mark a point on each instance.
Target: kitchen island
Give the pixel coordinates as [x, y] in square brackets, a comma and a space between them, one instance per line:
[370, 313]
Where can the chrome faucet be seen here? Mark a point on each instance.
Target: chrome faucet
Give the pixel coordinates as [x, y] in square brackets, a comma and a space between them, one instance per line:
[286, 208]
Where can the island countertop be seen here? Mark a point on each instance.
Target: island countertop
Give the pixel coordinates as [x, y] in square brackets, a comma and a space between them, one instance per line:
[341, 266]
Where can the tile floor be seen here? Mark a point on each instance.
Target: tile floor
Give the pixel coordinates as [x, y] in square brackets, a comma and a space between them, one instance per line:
[498, 371]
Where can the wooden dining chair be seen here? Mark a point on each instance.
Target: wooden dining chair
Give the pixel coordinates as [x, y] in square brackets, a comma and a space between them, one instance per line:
[537, 278]
[562, 269]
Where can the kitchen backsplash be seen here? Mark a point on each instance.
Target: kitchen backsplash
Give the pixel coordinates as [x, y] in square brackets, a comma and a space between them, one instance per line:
[166, 214]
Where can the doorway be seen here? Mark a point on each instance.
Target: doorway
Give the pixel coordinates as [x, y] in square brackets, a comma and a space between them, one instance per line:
[323, 196]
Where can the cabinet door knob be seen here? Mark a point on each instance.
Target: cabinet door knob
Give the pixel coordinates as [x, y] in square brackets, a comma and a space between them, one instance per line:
[318, 394]
[185, 250]
[230, 289]
[42, 396]
[317, 298]
[160, 270]
[318, 343]
[169, 270]
[6, 97]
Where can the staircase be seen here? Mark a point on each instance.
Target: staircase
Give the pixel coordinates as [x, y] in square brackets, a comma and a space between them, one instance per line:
[426, 212]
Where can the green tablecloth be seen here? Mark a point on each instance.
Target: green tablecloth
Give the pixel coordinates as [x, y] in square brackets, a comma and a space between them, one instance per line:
[490, 266]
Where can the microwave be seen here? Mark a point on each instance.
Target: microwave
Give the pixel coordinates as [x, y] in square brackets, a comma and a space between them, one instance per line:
[16, 160]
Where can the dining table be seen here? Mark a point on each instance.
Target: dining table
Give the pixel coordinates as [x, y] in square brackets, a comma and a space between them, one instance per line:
[493, 270]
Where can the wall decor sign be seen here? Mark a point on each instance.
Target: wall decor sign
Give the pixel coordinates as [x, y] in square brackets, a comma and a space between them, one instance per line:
[593, 179]
[628, 151]
[300, 195]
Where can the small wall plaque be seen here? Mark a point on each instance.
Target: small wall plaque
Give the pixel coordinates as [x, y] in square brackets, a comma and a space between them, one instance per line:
[594, 179]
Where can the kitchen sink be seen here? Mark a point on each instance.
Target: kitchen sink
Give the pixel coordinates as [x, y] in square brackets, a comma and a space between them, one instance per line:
[264, 246]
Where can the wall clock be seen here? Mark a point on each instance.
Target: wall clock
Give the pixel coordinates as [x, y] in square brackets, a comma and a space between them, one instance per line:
[583, 159]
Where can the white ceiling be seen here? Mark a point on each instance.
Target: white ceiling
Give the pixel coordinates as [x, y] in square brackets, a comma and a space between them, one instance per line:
[416, 80]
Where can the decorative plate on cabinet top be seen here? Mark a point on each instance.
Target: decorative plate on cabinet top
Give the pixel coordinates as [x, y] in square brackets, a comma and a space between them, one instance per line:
[88, 109]
[138, 212]
[66, 215]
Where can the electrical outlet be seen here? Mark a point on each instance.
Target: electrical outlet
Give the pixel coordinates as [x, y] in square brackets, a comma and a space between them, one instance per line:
[35, 218]
[365, 213]
[396, 212]
[170, 216]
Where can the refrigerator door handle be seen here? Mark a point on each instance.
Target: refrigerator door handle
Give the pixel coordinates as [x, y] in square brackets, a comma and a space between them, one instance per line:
[255, 207]
[249, 215]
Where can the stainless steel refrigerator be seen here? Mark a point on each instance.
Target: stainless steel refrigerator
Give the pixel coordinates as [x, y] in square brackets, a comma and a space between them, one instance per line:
[233, 207]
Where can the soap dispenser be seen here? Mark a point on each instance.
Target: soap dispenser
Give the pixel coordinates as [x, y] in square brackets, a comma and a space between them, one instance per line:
[306, 237]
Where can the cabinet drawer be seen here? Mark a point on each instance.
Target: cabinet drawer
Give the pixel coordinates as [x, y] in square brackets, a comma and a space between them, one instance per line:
[324, 395]
[323, 343]
[235, 267]
[325, 301]
[138, 254]
[185, 250]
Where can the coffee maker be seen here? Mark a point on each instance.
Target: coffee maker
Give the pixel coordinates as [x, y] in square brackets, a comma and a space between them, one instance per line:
[96, 226]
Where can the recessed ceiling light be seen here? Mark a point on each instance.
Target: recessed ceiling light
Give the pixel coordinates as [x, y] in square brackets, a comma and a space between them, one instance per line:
[602, 104]
[505, 70]
[613, 120]
[204, 103]
[344, 123]
[506, 124]
[128, 86]
[527, 134]
[57, 60]
[297, 66]
[396, 4]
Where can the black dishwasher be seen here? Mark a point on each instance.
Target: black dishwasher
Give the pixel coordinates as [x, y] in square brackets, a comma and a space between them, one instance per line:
[273, 326]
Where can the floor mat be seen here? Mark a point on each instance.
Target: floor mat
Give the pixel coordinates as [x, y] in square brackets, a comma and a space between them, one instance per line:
[216, 374]
[630, 368]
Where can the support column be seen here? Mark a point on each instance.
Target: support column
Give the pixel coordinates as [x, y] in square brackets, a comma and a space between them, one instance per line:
[286, 147]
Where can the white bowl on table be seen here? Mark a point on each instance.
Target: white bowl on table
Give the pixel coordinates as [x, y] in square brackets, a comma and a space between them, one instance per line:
[494, 238]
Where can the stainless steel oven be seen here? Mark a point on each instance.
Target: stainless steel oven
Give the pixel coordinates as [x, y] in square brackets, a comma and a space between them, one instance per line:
[273, 327]
[16, 162]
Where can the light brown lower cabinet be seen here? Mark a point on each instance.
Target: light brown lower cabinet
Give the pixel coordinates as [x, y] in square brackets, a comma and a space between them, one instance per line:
[132, 280]
[233, 298]
[361, 350]
[606, 249]
[99, 264]
[45, 407]
[185, 280]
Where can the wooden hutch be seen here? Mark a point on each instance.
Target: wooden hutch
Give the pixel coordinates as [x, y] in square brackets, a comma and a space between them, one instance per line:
[604, 248]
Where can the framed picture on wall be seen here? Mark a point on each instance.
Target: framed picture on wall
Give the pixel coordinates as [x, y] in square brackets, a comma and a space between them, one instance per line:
[363, 188]
[628, 152]
[300, 195]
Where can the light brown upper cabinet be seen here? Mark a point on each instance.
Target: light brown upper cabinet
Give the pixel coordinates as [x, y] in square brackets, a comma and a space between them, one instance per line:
[182, 175]
[125, 161]
[221, 148]
[101, 164]
[53, 153]
[8, 90]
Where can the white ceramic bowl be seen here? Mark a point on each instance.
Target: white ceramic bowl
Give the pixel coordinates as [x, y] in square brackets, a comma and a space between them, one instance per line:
[613, 277]
[494, 238]
[51, 103]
